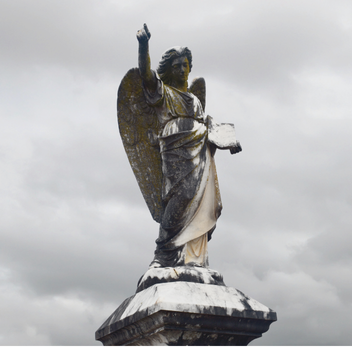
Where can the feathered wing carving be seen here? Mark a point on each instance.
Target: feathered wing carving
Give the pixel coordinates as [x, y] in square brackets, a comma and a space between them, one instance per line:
[198, 89]
[139, 128]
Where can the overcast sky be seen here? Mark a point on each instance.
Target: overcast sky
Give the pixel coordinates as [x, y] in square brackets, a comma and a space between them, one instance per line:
[75, 232]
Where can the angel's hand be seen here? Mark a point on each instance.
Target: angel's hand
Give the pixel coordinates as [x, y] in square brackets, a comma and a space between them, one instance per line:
[143, 35]
[146, 73]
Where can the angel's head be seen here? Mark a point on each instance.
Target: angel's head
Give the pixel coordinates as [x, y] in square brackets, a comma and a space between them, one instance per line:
[173, 61]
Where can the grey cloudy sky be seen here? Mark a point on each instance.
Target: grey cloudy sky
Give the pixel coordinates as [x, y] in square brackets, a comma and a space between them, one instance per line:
[75, 233]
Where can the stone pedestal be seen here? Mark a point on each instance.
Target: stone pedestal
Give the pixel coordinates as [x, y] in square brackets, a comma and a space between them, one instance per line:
[186, 313]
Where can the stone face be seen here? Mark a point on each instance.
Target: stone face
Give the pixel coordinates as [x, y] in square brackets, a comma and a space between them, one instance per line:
[183, 313]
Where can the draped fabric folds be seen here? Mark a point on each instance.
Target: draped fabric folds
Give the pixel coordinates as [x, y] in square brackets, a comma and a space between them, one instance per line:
[190, 189]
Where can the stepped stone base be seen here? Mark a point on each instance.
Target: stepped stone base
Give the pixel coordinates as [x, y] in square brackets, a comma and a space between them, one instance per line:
[185, 273]
[185, 313]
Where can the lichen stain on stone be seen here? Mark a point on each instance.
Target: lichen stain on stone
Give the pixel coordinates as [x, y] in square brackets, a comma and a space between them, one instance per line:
[213, 336]
[191, 335]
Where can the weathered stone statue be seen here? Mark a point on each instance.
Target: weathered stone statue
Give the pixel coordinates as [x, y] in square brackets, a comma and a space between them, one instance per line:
[171, 144]
[172, 152]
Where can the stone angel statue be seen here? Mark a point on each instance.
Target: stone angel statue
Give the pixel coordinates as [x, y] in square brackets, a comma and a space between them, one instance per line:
[171, 144]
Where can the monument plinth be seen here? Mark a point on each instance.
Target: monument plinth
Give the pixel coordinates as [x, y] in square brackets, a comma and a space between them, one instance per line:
[171, 143]
[186, 313]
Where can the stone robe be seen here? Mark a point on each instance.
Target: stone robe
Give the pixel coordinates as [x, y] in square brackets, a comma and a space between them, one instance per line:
[190, 190]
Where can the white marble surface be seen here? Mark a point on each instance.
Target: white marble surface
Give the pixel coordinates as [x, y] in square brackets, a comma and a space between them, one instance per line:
[222, 135]
[193, 298]
[204, 273]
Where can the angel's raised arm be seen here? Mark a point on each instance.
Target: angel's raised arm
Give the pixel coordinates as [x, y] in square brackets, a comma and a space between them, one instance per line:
[145, 71]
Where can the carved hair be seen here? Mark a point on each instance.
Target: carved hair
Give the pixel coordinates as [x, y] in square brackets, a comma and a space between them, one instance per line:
[164, 68]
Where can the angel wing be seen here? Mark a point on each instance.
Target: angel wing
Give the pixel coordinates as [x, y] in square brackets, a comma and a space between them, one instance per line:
[198, 89]
[139, 127]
